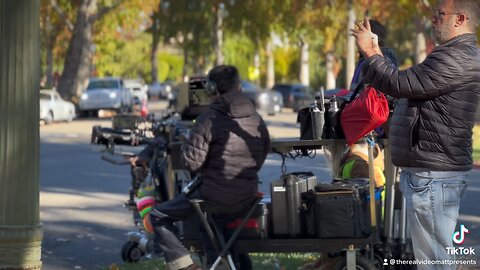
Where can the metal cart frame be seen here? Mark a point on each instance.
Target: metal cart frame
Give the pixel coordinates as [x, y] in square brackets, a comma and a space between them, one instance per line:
[383, 239]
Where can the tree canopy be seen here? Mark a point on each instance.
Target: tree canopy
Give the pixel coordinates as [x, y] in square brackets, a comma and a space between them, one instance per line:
[123, 38]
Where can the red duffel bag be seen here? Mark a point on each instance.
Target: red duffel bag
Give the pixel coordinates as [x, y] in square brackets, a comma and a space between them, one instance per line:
[364, 114]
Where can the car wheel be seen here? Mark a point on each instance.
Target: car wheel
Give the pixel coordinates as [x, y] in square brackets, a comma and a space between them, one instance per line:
[93, 113]
[70, 116]
[49, 118]
[295, 108]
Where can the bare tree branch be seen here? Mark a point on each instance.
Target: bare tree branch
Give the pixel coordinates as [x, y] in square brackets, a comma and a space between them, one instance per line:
[62, 14]
[103, 11]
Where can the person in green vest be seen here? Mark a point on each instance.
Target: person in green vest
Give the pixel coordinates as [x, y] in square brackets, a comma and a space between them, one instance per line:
[355, 163]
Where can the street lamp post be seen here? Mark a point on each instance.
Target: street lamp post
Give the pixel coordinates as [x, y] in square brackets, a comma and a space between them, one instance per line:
[20, 230]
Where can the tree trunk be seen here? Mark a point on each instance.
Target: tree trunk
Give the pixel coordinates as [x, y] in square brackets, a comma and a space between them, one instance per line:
[20, 228]
[256, 64]
[154, 55]
[76, 69]
[304, 63]
[330, 65]
[219, 59]
[49, 44]
[155, 31]
[49, 52]
[350, 46]
[270, 66]
[420, 42]
[185, 65]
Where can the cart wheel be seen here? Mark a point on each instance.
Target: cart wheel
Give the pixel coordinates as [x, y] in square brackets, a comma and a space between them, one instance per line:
[243, 261]
[49, 118]
[131, 252]
[378, 260]
[362, 263]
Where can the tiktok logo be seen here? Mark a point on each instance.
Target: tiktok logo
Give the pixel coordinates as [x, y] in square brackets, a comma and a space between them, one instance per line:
[459, 237]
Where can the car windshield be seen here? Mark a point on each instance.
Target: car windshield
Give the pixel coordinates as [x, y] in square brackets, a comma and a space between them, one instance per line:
[249, 87]
[44, 96]
[282, 88]
[102, 84]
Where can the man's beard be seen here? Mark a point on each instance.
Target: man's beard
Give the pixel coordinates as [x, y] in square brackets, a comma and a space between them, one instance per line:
[441, 34]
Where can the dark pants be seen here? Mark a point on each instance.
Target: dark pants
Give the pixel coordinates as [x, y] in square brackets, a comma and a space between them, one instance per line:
[177, 209]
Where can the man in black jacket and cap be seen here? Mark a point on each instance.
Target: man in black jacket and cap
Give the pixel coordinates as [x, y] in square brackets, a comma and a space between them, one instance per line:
[227, 146]
[431, 128]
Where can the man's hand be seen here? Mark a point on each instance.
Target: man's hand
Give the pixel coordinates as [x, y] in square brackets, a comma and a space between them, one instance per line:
[367, 41]
[133, 160]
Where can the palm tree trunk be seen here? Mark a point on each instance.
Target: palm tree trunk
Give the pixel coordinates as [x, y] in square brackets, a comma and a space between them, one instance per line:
[420, 42]
[154, 55]
[270, 66]
[330, 65]
[350, 46]
[219, 59]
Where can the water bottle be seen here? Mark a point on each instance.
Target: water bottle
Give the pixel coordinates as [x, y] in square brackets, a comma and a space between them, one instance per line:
[333, 131]
[317, 121]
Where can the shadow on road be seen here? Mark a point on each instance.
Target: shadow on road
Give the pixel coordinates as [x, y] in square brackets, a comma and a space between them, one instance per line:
[81, 205]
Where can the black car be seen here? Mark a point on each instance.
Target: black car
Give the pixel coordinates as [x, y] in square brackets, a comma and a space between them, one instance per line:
[295, 96]
[268, 101]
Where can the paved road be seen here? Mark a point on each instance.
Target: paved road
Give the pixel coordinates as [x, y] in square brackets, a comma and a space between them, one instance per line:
[81, 196]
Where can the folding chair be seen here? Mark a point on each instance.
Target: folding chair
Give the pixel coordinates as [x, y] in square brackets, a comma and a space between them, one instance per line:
[216, 235]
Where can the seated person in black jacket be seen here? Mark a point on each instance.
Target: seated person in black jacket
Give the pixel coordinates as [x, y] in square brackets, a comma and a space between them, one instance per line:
[227, 146]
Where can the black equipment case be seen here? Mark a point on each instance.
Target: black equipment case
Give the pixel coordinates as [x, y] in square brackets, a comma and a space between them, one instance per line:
[337, 211]
[286, 201]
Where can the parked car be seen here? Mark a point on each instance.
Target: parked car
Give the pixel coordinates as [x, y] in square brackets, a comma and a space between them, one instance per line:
[295, 96]
[270, 102]
[107, 94]
[138, 89]
[159, 90]
[54, 108]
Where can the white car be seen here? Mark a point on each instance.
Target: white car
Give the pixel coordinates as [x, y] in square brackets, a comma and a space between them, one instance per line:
[54, 108]
[138, 89]
[106, 94]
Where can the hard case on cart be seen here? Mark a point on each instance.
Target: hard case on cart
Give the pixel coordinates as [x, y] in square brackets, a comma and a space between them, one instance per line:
[339, 210]
[286, 201]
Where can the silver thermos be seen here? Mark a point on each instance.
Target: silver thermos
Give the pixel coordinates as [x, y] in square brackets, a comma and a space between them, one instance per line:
[333, 125]
[317, 121]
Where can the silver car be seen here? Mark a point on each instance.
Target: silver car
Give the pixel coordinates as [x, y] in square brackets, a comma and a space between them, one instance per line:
[106, 94]
[54, 108]
[267, 101]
